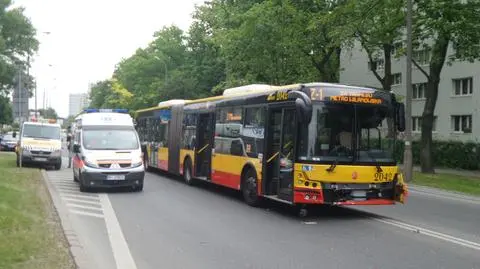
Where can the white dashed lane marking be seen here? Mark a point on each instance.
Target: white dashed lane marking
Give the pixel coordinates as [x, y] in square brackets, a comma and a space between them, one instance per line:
[82, 204]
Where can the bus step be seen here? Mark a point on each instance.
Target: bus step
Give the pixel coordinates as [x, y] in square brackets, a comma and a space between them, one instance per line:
[276, 198]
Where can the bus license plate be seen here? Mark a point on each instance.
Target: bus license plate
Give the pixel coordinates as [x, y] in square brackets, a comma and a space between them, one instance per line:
[115, 177]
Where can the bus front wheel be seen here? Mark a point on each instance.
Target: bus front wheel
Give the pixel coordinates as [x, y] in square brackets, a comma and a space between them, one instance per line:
[250, 187]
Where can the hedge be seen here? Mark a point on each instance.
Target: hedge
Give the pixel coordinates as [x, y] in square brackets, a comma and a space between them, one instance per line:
[446, 154]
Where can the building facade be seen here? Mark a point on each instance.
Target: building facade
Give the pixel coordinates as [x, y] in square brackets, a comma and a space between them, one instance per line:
[457, 113]
[77, 102]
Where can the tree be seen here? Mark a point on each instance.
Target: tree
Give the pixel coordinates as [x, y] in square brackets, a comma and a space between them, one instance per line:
[439, 24]
[17, 45]
[377, 25]
[48, 113]
[5, 110]
[99, 93]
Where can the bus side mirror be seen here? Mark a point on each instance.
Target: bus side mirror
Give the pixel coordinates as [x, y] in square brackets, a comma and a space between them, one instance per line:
[76, 148]
[400, 117]
[303, 106]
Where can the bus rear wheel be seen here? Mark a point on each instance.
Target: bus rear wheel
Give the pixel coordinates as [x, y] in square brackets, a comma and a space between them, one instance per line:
[250, 187]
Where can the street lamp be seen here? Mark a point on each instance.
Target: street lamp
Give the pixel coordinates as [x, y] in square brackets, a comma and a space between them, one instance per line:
[407, 155]
[36, 99]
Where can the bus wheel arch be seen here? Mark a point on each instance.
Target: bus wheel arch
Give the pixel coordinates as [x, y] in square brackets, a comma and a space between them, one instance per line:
[249, 185]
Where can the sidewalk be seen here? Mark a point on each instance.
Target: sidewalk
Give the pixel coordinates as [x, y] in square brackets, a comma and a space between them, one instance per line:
[449, 171]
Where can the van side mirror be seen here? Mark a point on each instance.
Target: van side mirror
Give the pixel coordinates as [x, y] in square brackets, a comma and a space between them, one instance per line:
[400, 116]
[76, 148]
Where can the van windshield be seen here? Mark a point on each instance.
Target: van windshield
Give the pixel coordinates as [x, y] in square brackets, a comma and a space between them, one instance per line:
[110, 139]
[41, 131]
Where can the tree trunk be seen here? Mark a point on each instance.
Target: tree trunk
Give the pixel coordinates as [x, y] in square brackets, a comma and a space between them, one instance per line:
[439, 52]
[426, 153]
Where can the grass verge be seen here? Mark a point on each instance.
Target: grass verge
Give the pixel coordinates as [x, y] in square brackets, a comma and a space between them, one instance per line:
[467, 185]
[30, 231]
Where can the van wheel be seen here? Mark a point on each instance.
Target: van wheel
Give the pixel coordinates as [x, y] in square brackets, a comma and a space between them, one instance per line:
[83, 188]
[187, 173]
[58, 166]
[250, 188]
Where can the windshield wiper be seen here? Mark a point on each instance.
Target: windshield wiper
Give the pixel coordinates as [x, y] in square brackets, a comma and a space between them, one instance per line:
[379, 169]
[332, 166]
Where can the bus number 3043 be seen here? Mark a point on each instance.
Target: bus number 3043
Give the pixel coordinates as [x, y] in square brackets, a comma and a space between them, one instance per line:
[380, 176]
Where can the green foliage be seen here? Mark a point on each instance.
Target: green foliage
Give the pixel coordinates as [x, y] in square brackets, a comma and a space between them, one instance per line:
[229, 43]
[447, 154]
[17, 44]
[5, 110]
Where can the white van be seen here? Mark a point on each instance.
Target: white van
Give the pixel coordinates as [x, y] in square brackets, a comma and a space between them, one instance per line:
[106, 150]
[40, 143]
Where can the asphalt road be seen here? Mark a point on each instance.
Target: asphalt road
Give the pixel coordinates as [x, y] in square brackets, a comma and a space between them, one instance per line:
[172, 225]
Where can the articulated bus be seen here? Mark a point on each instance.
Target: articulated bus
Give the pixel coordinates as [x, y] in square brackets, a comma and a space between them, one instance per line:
[316, 143]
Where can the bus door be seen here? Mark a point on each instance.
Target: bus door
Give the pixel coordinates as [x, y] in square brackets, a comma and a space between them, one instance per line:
[280, 145]
[203, 148]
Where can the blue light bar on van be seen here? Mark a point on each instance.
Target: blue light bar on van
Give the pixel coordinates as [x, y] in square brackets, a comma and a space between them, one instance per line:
[96, 110]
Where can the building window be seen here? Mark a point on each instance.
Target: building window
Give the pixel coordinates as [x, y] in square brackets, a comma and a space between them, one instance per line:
[377, 64]
[463, 86]
[422, 57]
[419, 90]
[417, 124]
[462, 123]
[397, 79]
[397, 49]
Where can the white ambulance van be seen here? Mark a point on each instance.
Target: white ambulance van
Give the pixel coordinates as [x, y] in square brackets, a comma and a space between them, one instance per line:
[106, 150]
[40, 143]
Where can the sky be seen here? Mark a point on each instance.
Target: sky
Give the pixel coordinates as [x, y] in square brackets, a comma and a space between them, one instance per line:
[81, 41]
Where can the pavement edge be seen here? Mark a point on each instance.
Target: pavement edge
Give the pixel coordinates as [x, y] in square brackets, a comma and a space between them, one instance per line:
[76, 248]
[444, 193]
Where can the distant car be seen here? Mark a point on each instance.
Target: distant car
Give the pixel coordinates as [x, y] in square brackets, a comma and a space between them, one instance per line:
[8, 142]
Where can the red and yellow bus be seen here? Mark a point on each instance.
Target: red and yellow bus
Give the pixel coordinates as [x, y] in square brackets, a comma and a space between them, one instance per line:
[315, 143]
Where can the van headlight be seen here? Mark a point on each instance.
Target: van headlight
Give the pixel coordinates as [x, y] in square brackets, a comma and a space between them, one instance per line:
[56, 153]
[136, 162]
[90, 163]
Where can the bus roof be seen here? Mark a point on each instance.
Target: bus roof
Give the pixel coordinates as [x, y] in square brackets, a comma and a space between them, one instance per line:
[261, 89]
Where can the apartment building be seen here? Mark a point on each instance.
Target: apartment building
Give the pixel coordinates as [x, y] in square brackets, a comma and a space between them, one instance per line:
[457, 115]
[77, 102]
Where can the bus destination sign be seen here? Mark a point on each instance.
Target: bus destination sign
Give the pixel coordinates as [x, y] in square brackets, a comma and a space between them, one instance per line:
[361, 98]
[344, 96]
[278, 96]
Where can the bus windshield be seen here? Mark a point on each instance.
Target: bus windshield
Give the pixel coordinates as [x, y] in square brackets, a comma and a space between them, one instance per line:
[99, 139]
[41, 131]
[347, 133]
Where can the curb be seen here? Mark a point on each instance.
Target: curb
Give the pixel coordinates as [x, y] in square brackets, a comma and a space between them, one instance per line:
[76, 248]
[444, 193]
